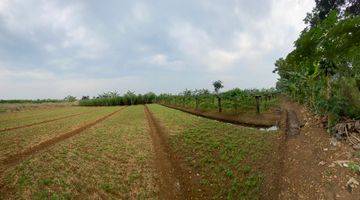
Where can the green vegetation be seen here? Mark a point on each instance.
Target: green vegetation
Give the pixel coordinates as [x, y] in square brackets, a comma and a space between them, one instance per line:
[323, 71]
[114, 99]
[14, 119]
[232, 101]
[227, 159]
[111, 160]
[15, 141]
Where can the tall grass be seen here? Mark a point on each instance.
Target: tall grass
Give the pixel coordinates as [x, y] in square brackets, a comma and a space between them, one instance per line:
[116, 100]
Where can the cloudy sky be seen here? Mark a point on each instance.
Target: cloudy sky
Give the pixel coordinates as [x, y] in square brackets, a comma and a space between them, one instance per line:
[52, 48]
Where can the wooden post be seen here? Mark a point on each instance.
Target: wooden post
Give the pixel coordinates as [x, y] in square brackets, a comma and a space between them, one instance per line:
[235, 105]
[196, 103]
[257, 97]
[219, 104]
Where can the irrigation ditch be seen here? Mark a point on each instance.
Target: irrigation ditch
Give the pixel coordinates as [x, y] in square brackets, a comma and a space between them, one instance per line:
[265, 124]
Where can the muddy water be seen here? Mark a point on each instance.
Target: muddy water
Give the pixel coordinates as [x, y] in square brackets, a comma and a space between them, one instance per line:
[272, 128]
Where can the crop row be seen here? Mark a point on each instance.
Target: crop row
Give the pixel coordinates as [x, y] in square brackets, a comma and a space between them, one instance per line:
[227, 160]
[112, 159]
[14, 141]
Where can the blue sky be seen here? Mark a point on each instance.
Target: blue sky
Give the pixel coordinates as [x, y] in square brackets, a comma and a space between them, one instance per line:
[52, 48]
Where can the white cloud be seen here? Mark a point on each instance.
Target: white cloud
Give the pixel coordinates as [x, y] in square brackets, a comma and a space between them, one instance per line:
[199, 47]
[4, 4]
[219, 59]
[36, 74]
[159, 59]
[141, 12]
[275, 32]
[162, 61]
[44, 84]
[89, 41]
[62, 22]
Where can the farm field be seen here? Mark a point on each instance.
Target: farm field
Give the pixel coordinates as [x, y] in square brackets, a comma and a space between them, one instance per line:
[180, 100]
[15, 119]
[134, 152]
[219, 160]
[18, 140]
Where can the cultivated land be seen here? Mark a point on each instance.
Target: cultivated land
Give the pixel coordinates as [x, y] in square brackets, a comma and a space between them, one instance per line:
[219, 160]
[155, 152]
[17, 140]
[112, 159]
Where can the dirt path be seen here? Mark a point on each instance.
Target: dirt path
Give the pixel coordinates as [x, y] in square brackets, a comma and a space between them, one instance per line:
[174, 183]
[43, 122]
[18, 157]
[308, 170]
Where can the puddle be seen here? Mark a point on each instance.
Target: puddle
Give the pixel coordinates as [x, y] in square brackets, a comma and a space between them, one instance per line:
[272, 128]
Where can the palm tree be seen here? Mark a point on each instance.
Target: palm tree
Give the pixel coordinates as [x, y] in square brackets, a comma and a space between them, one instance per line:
[217, 86]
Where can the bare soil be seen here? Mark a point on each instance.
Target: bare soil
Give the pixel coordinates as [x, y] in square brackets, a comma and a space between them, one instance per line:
[308, 170]
[175, 182]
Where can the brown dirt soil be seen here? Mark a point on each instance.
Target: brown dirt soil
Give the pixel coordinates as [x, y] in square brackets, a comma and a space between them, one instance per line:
[272, 165]
[258, 121]
[43, 122]
[18, 157]
[308, 170]
[175, 182]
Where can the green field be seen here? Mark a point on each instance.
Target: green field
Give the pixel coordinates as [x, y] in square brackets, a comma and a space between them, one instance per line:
[116, 158]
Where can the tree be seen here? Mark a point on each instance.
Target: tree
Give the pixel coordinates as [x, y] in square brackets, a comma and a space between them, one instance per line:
[109, 94]
[325, 59]
[149, 97]
[323, 8]
[85, 98]
[70, 98]
[130, 97]
[217, 86]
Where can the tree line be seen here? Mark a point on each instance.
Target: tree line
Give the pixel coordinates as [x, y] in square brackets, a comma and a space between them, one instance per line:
[323, 71]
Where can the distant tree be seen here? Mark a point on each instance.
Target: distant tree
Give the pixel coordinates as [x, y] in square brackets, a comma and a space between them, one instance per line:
[217, 86]
[130, 97]
[85, 97]
[149, 97]
[70, 98]
[109, 94]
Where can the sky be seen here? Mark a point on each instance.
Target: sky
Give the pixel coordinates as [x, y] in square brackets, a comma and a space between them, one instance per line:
[55, 48]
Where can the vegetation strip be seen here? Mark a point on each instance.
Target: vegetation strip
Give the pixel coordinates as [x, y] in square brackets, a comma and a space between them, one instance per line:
[14, 159]
[38, 123]
[173, 184]
[219, 117]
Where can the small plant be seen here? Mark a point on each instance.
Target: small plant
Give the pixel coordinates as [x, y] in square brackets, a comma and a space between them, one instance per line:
[354, 167]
